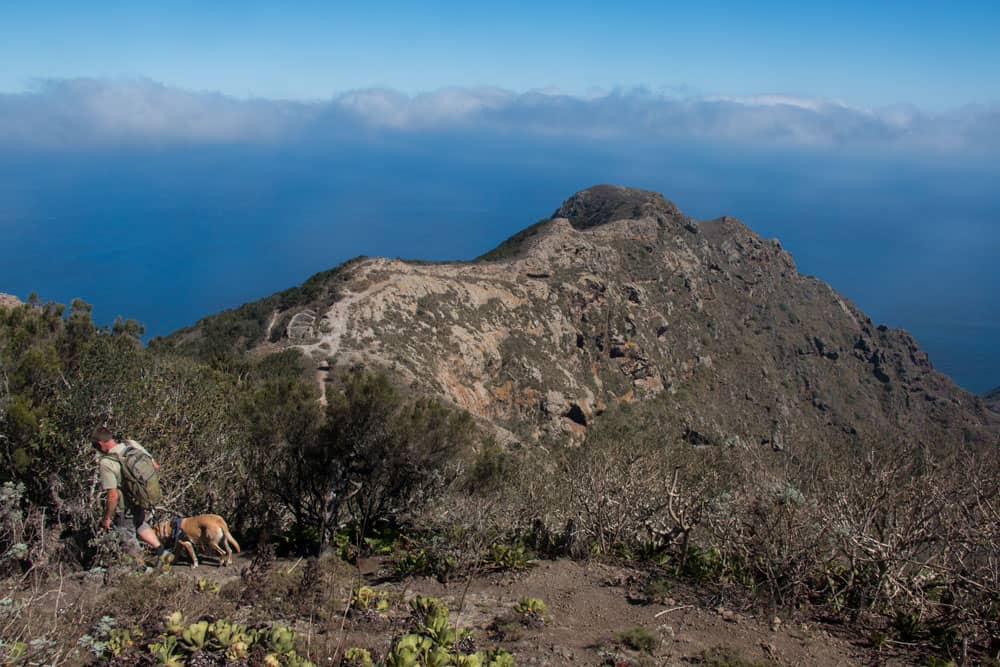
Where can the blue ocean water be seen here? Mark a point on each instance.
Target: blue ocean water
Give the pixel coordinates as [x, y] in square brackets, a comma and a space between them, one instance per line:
[167, 235]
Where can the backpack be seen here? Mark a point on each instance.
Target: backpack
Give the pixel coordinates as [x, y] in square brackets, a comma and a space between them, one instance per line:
[140, 480]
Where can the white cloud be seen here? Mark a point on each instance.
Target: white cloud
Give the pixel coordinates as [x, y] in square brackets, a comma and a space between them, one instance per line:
[92, 111]
[84, 112]
[388, 108]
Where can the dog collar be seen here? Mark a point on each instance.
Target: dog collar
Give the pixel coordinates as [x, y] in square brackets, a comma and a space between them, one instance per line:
[175, 529]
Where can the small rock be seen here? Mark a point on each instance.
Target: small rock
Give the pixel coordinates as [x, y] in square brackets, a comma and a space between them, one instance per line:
[727, 615]
[666, 631]
[775, 624]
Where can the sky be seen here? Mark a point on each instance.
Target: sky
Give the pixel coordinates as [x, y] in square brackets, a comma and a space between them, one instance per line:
[164, 161]
[936, 55]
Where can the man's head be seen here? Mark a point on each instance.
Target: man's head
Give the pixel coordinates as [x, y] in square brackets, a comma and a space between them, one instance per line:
[102, 439]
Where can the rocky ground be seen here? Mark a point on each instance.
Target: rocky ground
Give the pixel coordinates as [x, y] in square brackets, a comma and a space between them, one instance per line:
[589, 607]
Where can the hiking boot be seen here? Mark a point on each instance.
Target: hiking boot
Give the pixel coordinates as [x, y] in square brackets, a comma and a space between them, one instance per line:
[164, 562]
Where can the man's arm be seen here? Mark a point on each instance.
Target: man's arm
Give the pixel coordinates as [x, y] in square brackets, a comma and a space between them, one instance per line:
[111, 502]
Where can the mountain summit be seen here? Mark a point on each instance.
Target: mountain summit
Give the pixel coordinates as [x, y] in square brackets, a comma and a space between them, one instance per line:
[602, 204]
[619, 298]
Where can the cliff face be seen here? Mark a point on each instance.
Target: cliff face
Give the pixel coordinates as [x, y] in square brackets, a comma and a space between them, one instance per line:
[992, 400]
[619, 297]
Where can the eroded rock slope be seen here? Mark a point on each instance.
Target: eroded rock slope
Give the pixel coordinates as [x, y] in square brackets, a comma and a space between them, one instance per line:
[620, 297]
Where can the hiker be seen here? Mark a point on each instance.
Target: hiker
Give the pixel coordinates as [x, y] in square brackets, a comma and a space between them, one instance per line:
[125, 470]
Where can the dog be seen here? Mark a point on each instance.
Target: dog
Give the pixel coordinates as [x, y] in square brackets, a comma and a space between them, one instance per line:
[206, 530]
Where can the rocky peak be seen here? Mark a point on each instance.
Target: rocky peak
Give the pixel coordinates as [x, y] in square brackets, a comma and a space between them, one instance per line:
[9, 300]
[620, 298]
[601, 204]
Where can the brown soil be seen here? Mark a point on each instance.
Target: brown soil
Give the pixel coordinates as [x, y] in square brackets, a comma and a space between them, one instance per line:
[589, 605]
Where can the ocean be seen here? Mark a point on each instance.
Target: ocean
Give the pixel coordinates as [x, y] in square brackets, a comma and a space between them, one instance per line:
[167, 235]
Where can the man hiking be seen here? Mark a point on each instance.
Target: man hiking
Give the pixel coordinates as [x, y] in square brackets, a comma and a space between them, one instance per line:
[125, 470]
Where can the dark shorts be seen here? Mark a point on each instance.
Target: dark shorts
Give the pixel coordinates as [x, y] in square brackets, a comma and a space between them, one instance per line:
[133, 519]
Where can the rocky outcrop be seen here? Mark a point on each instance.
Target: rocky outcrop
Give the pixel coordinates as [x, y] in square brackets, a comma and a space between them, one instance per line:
[621, 298]
[8, 300]
[992, 400]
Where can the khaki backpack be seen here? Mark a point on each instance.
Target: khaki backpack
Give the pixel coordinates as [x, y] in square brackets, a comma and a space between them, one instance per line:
[140, 480]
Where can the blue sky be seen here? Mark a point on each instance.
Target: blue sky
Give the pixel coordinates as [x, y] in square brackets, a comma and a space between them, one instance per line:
[936, 55]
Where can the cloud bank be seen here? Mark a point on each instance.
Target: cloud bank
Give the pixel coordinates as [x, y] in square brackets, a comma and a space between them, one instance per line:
[95, 112]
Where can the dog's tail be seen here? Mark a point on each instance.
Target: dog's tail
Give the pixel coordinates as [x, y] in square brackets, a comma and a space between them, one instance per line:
[229, 537]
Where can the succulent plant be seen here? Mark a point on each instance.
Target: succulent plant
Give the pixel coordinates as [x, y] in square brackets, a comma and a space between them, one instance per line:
[194, 636]
[500, 658]
[13, 650]
[280, 639]
[221, 633]
[431, 619]
[366, 598]
[507, 557]
[165, 652]
[205, 586]
[425, 605]
[238, 650]
[356, 657]
[530, 606]
[470, 660]
[119, 640]
[174, 623]
[293, 659]
[418, 651]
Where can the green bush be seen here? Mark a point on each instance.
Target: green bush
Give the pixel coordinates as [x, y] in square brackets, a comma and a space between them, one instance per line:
[721, 656]
[639, 639]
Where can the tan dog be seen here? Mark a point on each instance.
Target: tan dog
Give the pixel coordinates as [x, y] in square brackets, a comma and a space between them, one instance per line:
[206, 530]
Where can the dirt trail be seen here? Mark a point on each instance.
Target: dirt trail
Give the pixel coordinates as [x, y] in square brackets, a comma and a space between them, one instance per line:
[328, 344]
[589, 606]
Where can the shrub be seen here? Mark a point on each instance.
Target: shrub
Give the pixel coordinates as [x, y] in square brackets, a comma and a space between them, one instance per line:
[721, 656]
[657, 589]
[639, 639]
[378, 455]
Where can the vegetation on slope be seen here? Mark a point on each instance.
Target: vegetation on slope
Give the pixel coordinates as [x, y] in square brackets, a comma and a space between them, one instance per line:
[899, 540]
[222, 339]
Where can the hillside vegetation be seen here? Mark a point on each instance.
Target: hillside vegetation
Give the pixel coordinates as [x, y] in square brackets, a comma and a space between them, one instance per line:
[594, 392]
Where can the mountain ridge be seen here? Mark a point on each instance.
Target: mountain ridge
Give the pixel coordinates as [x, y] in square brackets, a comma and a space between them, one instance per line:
[619, 298]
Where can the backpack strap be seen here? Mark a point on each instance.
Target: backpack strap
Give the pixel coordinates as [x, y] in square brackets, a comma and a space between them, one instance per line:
[117, 459]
